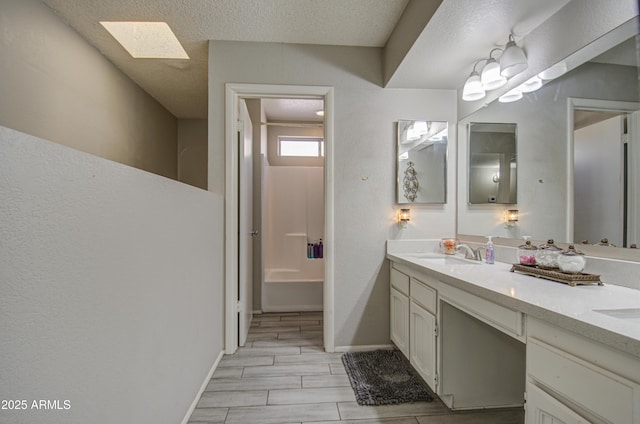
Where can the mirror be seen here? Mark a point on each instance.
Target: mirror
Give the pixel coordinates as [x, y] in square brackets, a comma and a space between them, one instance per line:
[422, 162]
[551, 199]
[492, 163]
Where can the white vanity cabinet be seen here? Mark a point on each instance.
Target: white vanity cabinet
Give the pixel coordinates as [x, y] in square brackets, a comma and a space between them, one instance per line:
[413, 321]
[571, 379]
[399, 310]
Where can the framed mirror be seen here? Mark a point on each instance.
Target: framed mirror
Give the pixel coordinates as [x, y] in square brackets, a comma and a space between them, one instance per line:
[421, 162]
[595, 85]
[492, 163]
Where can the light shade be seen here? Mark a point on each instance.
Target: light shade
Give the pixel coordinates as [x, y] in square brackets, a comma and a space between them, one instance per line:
[553, 72]
[511, 216]
[513, 60]
[473, 89]
[490, 77]
[511, 96]
[530, 85]
[147, 40]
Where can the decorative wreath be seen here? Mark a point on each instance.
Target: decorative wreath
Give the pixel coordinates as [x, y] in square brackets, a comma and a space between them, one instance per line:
[410, 183]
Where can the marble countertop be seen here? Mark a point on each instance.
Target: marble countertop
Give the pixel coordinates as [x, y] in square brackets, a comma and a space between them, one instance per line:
[572, 308]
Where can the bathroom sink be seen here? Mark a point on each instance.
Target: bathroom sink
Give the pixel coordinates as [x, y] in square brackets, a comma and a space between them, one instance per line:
[444, 259]
[627, 314]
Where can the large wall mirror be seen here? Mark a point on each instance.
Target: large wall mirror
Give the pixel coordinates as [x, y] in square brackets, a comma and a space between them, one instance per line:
[492, 169]
[578, 140]
[422, 162]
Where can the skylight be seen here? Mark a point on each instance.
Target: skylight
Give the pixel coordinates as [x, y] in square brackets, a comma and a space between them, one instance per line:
[147, 40]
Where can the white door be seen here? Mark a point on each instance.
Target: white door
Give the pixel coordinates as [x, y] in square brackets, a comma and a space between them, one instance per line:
[422, 343]
[400, 321]
[542, 408]
[245, 224]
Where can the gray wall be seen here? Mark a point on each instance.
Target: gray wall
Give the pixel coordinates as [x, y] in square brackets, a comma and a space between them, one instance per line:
[364, 150]
[111, 282]
[57, 86]
[192, 152]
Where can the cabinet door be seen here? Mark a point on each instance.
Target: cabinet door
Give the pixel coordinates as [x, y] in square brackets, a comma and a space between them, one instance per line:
[400, 321]
[542, 408]
[422, 333]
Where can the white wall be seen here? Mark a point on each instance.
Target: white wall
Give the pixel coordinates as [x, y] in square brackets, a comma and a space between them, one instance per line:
[365, 140]
[111, 287]
[57, 86]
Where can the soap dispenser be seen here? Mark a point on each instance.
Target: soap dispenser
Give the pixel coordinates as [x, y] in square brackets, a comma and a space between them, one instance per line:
[489, 254]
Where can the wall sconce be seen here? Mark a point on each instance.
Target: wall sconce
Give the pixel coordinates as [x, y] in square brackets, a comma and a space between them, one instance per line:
[404, 217]
[510, 217]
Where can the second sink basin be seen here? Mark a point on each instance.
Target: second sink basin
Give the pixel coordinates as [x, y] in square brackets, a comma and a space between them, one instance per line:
[627, 314]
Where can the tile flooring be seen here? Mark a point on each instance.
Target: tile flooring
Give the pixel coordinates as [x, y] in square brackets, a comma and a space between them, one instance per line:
[283, 376]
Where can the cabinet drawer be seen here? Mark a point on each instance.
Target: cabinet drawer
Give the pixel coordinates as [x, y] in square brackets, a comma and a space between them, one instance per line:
[400, 281]
[504, 319]
[594, 389]
[423, 295]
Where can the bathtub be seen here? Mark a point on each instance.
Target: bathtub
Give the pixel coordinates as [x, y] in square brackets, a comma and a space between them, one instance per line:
[293, 290]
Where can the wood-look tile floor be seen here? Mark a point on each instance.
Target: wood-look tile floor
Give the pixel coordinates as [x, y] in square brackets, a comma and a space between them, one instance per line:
[283, 376]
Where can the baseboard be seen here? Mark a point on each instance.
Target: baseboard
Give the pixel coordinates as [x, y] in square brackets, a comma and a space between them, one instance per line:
[362, 348]
[185, 420]
[257, 312]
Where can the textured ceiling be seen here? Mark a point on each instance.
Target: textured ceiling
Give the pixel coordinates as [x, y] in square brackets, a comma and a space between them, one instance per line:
[293, 110]
[460, 32]
[181, 86]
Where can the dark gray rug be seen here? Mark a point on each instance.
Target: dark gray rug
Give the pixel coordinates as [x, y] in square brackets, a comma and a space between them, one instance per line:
[384, 377]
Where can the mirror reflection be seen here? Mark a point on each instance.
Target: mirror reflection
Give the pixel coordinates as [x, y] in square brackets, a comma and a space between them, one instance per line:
[576, 180]
[421, 162]
[492, 163]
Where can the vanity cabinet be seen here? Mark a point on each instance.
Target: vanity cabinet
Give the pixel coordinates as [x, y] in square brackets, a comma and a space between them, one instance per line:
[571, 379]
[413, 322]
[399, 310]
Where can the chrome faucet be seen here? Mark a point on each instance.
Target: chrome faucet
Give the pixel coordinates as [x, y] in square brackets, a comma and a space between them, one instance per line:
[470, 253]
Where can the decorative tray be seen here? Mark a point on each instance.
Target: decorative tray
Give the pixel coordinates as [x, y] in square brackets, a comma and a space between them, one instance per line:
[554, 274]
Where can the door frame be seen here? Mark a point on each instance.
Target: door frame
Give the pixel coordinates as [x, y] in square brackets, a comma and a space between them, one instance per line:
[233, 92]
[587, 104]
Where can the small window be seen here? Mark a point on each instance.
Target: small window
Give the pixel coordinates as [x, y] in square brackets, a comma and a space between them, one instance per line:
[300, 147]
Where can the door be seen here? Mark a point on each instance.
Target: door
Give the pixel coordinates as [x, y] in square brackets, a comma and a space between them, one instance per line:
[400, 321]
[245, 224]
[422, 343]
[542, 408]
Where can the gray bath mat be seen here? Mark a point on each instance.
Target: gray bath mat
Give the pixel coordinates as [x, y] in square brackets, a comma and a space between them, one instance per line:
[384, 377]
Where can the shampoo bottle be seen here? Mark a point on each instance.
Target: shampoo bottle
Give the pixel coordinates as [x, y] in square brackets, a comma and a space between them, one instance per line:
[489, 253]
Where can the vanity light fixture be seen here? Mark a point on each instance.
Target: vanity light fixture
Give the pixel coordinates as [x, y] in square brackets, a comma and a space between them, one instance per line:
[490, 76]
[404, 217]
[320, 112]
[511, 96]
[513, 60]
[473, 89]
[531, 85]
[511, 217]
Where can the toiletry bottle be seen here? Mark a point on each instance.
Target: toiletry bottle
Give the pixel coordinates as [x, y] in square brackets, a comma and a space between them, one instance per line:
[320, 249]
[309, 250]
[488, 252]
[316, 250]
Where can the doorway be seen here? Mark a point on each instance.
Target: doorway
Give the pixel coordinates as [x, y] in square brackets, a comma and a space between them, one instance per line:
[234, 94]
[603, 170]
[292, 159]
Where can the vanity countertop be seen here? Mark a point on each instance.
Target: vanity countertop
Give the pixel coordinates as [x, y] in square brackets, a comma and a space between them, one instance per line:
[572, 308]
